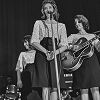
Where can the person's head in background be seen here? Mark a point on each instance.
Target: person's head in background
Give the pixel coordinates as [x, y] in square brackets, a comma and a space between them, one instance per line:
[49, 7]
[81, 22]
[26, 42]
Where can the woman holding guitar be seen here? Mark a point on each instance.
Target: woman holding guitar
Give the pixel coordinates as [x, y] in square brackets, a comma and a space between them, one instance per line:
[43, 32]
[88, 75]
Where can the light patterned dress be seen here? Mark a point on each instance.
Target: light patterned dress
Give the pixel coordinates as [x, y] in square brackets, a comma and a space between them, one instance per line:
[25, 65]
[45, 74]
[25, 58]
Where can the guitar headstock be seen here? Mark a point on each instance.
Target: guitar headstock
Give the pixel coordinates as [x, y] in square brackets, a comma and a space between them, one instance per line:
[97, 34]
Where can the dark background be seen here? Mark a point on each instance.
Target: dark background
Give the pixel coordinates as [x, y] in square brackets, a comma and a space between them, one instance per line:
[17, 18]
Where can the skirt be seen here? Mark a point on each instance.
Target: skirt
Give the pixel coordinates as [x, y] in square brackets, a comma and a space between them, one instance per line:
[44, 74]
[27, 76]
[88, 75]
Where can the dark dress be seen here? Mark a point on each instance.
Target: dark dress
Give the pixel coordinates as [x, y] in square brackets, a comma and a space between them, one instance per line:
[44, 74]
[88, 75]
[26, 76]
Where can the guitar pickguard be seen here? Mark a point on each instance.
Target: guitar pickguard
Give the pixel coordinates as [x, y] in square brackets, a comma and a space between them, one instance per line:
[72, 60]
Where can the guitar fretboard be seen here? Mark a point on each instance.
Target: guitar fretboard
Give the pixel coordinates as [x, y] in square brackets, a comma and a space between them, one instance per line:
[87, 43]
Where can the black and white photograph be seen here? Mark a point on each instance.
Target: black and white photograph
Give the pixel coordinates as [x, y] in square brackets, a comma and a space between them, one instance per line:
[49, 49]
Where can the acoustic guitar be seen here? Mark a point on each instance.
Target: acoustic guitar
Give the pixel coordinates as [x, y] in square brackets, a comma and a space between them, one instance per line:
[71, 60]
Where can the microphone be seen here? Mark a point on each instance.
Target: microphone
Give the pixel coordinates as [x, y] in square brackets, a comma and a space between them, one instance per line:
[51, 13]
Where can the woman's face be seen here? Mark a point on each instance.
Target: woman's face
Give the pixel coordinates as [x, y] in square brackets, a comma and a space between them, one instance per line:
[78, 25]
[26, 44]
[48, 8]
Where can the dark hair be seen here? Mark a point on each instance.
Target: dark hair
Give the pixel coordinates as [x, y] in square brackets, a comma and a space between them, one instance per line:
[52, 2]
[27, 38]
[82, 19]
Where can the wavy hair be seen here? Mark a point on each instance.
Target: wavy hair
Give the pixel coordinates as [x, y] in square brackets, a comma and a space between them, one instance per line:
[82, 19]
[52, 2]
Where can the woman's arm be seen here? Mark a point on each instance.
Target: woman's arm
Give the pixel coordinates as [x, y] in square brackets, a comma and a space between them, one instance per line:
[48, 54]
[19, 69]
[63, 40]
[19, 81]
[97, 45]
[18, 75]
[61, 49]
[39, 47]
[35, 40]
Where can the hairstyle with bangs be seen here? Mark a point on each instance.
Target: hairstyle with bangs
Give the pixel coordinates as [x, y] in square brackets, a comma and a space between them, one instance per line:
[82, 19]
[52, 2]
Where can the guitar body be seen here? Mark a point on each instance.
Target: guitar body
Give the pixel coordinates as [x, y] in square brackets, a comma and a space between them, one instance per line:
[72, 60]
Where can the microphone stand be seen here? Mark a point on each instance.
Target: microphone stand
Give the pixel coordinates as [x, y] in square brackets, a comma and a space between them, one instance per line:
[55, 59]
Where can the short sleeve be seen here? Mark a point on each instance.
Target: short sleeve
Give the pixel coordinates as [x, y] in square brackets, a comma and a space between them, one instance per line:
[70, 38]
[35, 34]
[19, 65]
[97, 45]
[63, 36]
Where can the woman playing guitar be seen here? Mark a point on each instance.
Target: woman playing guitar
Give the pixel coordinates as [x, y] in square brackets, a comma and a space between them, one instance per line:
[88, 75]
